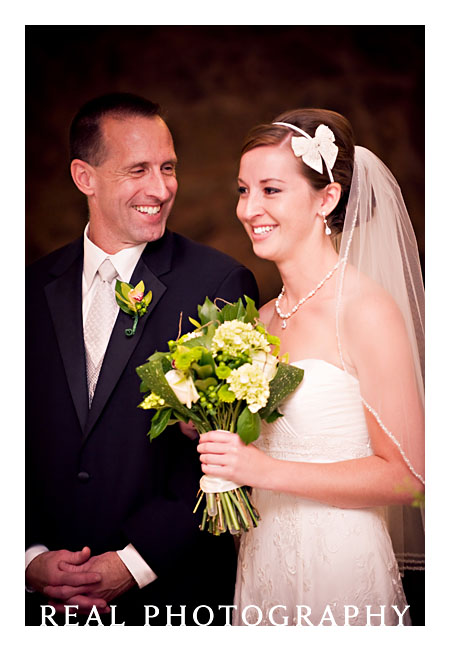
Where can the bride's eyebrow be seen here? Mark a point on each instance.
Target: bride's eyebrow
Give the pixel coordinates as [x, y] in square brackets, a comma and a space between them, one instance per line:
[264, 181]
[269, 180]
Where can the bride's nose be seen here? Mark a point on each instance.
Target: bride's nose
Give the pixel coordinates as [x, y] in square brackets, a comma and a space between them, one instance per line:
[249, 206]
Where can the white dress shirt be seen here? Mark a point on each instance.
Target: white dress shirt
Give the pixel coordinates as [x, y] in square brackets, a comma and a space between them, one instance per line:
[124, 262]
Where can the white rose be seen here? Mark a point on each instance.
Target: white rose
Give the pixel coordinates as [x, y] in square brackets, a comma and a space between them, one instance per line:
[266, 362]
[183, 387]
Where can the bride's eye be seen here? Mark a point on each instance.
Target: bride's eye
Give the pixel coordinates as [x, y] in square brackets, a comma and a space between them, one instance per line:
[242, 190]
[270, 190]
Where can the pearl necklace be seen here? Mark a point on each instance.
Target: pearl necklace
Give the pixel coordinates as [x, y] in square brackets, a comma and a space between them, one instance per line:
[302, 300]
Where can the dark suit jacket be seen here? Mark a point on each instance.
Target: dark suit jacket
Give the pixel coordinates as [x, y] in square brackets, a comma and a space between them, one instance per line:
[93, 477]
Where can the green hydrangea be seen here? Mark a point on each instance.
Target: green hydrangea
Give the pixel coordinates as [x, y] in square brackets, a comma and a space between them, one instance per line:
[249, 383]
[234, 337]
[152, 401]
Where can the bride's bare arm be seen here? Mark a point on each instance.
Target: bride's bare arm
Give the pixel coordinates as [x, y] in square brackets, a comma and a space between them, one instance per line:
[380, 353]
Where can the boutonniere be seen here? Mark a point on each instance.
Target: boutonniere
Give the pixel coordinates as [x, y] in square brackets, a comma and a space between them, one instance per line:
[132, 301]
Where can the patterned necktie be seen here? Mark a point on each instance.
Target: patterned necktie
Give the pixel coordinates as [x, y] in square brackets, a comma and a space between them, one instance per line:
[99, 323]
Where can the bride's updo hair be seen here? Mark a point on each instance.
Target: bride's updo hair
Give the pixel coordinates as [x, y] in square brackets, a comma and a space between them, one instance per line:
[309, 119]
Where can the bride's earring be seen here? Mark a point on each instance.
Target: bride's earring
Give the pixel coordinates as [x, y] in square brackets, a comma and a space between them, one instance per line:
[327, 228]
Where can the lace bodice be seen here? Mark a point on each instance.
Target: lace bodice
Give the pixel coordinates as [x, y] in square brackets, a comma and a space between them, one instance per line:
[323, 420]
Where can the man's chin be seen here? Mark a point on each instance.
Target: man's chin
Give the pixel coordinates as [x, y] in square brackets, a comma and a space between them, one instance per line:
[155, 233]
[151, 232]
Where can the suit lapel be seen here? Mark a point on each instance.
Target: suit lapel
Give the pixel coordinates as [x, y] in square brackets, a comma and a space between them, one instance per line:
[155, 258]
[64, 300]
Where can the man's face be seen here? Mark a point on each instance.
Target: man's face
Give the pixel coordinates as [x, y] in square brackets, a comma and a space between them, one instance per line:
[135, 186]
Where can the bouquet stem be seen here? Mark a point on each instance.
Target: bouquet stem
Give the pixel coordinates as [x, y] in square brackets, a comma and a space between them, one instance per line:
[230, 510]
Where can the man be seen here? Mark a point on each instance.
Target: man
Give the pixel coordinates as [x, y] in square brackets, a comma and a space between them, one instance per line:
[109, 515]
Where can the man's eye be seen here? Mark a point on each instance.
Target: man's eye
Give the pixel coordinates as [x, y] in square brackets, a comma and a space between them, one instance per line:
[139, 170]
[168, 169]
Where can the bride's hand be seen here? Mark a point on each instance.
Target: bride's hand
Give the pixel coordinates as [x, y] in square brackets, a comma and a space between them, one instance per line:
[223, 454]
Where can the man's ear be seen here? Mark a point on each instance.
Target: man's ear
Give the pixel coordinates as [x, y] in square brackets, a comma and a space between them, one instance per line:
[83, 176]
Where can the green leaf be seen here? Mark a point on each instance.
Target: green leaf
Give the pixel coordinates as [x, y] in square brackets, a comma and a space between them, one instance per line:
[273, 416]
[194, 322]
[118, 289]
[207, 312]
[159, 422]
[225, 394]
[251, 313]
[233, 311]
[163, 358]
[124, 306]
[283, 384]
[143, 388]
[202, 385]
[176, 418]
[203, 371]
[207, 358]
[248, 426]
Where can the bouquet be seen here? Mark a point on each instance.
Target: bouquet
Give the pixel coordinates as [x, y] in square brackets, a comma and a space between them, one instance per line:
[224, 375]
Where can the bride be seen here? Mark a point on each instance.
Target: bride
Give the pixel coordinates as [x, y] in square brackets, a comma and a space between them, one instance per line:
[334, 478]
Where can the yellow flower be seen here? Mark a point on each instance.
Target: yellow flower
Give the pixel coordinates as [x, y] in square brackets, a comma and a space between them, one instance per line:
[152, 401]
[137, 294]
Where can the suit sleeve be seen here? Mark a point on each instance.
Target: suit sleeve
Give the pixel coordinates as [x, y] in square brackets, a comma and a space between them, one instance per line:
[239, 282]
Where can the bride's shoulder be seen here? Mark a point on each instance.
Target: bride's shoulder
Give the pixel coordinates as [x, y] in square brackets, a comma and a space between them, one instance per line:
[267, 310]
[370, 311]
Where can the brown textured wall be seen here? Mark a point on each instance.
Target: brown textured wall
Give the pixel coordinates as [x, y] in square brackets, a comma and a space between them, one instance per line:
[214, 83]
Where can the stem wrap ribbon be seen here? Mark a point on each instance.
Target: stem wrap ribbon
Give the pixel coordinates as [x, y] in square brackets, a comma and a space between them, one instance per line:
[210, 484]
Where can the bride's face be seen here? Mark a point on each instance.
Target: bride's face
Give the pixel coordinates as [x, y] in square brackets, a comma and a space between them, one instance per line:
[277, 205]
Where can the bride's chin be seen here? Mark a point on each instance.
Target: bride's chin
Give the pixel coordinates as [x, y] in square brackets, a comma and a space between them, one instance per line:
[264, 251]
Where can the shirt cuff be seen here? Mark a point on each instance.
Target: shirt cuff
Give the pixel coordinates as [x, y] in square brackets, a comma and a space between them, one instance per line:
[137, 567]
[30, 555]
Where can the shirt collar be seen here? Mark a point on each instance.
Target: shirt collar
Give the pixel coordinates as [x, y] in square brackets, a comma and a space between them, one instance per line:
[124, 261]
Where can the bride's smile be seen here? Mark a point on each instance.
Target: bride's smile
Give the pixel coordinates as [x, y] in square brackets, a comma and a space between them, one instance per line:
[277, 206]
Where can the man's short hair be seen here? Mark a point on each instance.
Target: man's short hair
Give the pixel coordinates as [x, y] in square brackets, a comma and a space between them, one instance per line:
[86, 139]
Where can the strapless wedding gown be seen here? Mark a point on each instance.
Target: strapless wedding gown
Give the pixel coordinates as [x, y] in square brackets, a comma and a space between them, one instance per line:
[307, 558]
